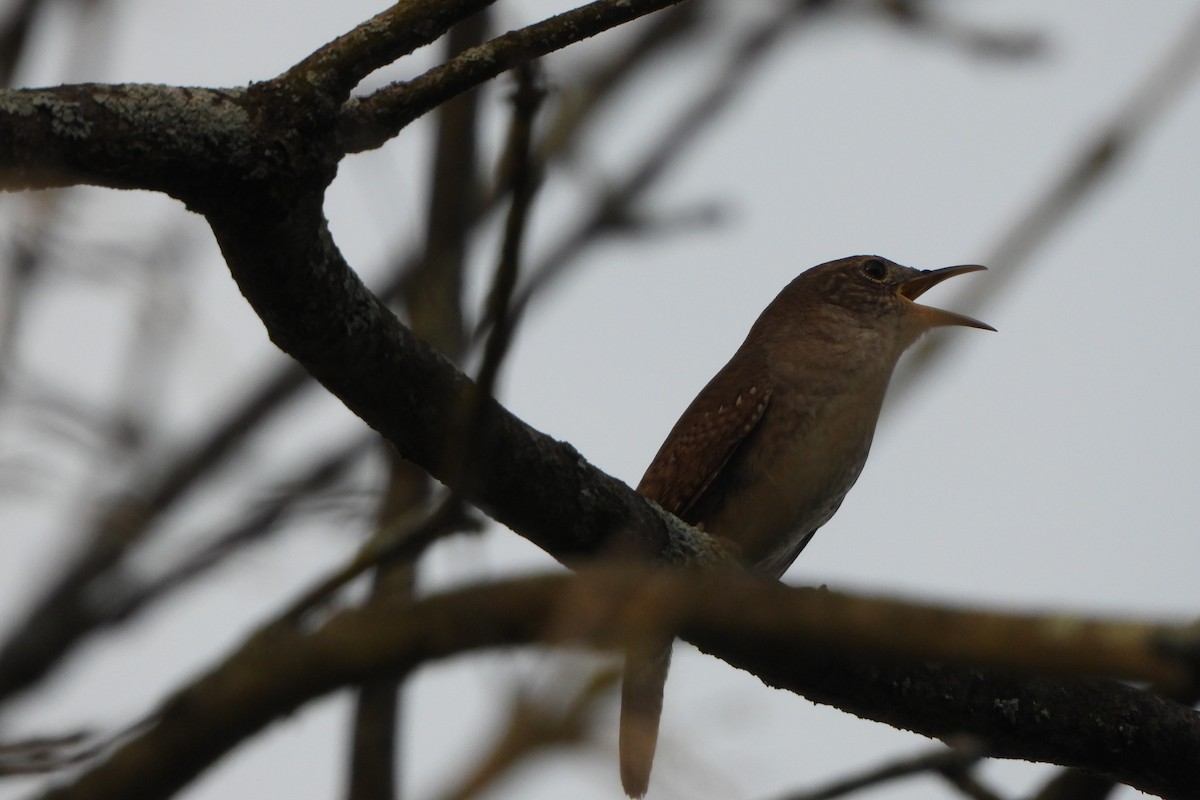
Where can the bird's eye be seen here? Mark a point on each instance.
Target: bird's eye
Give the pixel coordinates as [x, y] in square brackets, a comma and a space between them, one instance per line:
[874, 268]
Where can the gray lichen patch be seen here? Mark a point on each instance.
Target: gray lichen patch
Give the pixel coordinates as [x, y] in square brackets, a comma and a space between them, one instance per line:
[176, 112]
[66, 117]
[17, 104]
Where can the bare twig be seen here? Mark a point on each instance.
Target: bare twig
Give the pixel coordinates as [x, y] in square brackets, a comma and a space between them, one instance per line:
[523, 178]
[47, 753]
[918, 16]
[958, 757]
[373, 120]
[404, 538]
[433, 297]
[251, 526]
[534, 726]
[614, 209]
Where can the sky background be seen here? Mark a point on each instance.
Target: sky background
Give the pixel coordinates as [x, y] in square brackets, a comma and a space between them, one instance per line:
[1050, 465]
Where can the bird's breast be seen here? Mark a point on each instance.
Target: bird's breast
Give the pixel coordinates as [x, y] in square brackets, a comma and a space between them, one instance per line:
[807, 452]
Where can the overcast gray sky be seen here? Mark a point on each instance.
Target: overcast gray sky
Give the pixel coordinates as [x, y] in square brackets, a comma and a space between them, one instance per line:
[1051, 464]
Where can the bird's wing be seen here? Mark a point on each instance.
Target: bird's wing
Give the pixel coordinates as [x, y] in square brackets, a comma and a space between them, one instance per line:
[695, 452]
[701, 444]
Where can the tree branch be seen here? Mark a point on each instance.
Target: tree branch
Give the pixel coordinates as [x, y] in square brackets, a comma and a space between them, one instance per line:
[368, 123]
[126, 136]
[333, 70]
[834, 648]
[317, 310]
[64, 614]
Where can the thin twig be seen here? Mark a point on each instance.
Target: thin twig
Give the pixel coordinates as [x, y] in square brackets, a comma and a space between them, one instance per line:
[375, 119]
[433, 298]
[932, 20]
[940, 760]
[523, 183]
[250, 527]
[404, 538]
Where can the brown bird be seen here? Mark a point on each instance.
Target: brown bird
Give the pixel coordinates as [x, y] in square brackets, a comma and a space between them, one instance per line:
[767, 451]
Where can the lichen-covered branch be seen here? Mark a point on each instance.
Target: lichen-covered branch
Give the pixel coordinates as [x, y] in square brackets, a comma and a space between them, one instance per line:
[126, 136]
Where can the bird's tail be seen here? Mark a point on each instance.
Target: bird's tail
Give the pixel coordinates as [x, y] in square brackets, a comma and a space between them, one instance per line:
[641, 708]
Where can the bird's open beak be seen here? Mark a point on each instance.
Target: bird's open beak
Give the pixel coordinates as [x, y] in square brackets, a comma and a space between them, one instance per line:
[913, 288]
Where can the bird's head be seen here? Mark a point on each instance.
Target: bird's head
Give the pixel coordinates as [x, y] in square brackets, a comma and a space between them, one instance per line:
[875, 290]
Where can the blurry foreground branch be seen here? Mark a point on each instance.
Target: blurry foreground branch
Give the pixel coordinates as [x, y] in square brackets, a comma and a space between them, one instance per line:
[854, 652]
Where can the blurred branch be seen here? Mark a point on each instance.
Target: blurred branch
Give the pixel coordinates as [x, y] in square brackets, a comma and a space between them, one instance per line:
[153, 347]
[1072, 784]
[580, 101]
[614, 209]
[14, 34]
[533, 727]
[962, 755]
[66, 611]
[375, 735]
[917, 16]
[967, 782]
[523, 180]
[64, 615]
[48, 753]
[1096, 160]
[833, 647]
[251, 526]
[336, 68]
[403, 538]
[433, 297]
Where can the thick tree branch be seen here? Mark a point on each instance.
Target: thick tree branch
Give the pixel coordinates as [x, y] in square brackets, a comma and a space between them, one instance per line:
[255, 161]
[316, 310]
[834, 648]
[64, 614]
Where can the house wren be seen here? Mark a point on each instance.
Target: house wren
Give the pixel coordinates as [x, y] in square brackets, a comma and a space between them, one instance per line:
[767, 451]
